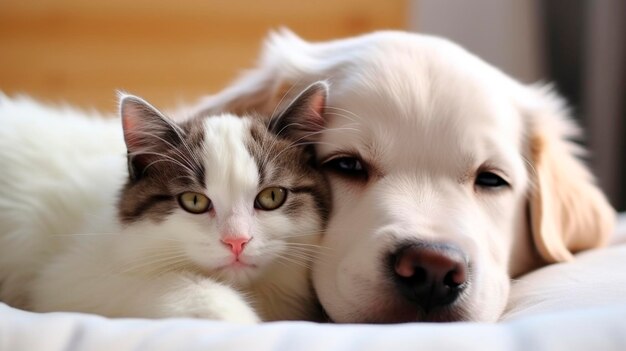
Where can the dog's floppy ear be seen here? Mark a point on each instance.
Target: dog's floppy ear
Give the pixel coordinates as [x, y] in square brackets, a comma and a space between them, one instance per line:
[568, 212]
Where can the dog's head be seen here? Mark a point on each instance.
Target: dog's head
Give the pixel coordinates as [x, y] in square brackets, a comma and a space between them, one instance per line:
[448, 177]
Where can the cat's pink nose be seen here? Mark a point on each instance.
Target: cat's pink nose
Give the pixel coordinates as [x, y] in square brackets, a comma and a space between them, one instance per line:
[236, 243]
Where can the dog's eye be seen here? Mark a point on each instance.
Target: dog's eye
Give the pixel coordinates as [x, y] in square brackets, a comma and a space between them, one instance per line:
[490, 180]
[349, 166]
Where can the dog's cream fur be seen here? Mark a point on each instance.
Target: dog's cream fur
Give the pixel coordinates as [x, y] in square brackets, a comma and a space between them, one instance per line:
[426, 116]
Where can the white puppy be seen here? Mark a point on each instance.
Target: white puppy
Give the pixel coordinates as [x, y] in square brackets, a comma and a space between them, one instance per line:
[448, 177]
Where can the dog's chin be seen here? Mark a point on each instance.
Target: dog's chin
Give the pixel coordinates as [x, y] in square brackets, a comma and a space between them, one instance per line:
[408, 314]
[399, 310]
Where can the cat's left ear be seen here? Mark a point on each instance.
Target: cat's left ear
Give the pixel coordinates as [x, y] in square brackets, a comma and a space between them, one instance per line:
[146, 132]
[303, 119]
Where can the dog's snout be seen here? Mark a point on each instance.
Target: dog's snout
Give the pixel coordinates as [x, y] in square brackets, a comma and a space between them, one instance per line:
[429, 275]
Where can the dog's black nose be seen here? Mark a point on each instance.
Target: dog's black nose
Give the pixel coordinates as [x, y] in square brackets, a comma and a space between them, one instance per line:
[429, 275]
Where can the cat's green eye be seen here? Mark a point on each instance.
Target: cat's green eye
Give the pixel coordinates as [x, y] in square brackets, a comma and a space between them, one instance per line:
[270, 198]
[194, 202]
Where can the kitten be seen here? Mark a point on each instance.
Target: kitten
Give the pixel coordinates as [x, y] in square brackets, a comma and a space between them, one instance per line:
[218, 218]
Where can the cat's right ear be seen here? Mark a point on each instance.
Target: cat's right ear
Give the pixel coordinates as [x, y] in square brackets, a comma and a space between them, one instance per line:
[146, 133]
[303, 119]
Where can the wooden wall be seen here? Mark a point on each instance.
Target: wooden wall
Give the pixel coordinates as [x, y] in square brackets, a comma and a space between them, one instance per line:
[166, 51]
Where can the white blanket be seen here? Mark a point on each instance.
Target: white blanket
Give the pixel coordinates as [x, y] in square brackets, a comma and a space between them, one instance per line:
[579, 306]
[585, 329]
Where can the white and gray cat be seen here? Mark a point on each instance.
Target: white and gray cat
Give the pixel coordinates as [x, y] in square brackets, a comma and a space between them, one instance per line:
[218, 217]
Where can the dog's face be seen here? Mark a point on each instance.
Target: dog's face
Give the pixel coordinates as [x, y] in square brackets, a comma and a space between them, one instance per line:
[443, 174]
[448, 178]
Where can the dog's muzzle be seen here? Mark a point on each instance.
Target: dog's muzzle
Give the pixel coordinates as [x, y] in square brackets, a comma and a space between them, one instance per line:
[428, 275]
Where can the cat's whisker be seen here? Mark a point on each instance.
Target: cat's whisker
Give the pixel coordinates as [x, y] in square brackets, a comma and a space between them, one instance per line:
[288, 242]
[164, 157]
[268, 151]
[85, 234]
[299, 252]
[192, 152]
[273, 116]
[193, 179]
[294, 261]
[308, 248]
[156, 254]
[173, 148]
[150, 252]
[304, 244]
[223, 276]
[335, 129]
[284, 265]
[119, 234]
[303, 251]
[282, 98]
[354, 115]
[180, 133]
[314, 143]
[299, 235]
[311, 254]
[298, 143]
[192, 163]
[275, 140]
[305, 260]
[157, 264]
[174, 268]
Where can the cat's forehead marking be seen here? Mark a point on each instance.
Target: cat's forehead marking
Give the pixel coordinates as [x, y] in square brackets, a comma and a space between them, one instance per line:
[194, 135]
[232, 175]
[258, 143]
[278, 159]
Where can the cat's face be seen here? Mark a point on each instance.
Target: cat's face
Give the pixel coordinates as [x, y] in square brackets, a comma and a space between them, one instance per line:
[224, 194]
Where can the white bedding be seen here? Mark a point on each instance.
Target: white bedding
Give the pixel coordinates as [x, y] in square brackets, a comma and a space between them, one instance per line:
[578, 310]
[583, 329]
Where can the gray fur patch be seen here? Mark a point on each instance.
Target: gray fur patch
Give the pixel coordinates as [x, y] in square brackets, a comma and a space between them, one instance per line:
[283, 162]
[178, 166]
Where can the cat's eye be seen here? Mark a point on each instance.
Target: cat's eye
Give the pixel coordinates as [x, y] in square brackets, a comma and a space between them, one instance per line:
[490, 180]
[348, 166]
[270, 198]
[194, 202]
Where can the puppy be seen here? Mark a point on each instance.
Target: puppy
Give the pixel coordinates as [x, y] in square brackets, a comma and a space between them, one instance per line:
[448, 177]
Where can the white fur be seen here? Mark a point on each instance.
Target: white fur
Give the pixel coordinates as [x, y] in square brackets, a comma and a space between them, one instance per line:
[61, 247]
[427, 114]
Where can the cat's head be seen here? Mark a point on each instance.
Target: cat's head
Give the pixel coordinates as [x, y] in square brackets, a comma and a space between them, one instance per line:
[225, 194]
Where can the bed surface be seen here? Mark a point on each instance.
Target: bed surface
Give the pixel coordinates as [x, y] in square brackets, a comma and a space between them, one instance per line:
[584, 329]
[584, 309]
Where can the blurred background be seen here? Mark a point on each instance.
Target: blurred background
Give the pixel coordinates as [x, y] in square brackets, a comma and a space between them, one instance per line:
[172, 52]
